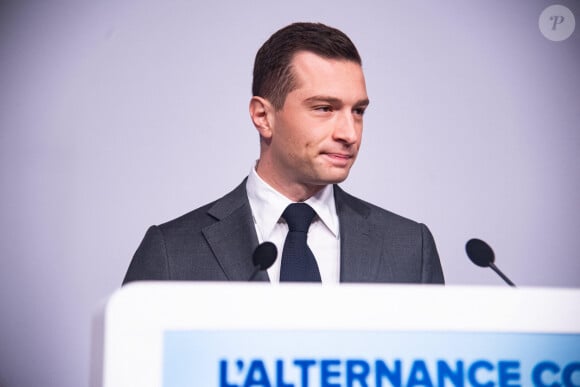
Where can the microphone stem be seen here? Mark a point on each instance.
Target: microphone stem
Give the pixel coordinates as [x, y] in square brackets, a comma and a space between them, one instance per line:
[502, 275]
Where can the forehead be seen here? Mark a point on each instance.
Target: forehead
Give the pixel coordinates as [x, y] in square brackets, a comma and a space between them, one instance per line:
[317, 74]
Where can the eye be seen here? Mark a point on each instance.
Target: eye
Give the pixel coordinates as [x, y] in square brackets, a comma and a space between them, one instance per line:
[323, 108]
[359, 111]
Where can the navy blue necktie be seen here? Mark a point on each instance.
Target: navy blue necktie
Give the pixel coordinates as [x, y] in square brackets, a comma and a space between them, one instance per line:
[298, 262]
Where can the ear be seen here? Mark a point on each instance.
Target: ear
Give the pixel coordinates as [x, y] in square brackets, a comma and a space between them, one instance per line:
[261, 112]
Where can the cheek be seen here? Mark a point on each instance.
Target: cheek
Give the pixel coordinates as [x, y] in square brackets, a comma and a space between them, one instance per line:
[301, 138]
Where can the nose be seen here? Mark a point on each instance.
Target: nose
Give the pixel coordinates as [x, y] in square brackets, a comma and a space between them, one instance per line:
[348, 128]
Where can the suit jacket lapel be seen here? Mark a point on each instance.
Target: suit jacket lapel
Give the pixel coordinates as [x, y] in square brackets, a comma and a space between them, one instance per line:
[233, 237]
[360, 244]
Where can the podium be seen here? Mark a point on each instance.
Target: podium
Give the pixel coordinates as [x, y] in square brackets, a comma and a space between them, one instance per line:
[154, 334]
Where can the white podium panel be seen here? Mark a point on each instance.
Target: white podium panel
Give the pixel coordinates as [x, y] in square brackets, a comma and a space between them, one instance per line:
[261, 335]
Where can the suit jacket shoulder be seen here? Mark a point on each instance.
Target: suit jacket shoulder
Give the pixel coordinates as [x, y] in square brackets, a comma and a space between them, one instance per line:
[380, 246]
[214, 243]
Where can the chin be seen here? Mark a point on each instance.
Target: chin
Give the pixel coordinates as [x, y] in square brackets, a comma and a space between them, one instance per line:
[325, 175]
[335, 179]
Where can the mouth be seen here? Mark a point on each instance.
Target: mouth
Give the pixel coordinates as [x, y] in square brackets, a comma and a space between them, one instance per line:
[339, 155]
[339, 159]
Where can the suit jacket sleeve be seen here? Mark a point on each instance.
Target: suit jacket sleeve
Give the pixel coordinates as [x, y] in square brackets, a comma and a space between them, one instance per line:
[431, 267]
[150, 260]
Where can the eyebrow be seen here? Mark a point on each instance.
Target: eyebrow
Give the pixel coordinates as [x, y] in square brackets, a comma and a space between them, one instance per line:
[334, 100]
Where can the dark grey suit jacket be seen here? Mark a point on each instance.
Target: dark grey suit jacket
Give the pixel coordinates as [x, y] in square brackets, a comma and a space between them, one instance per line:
[216, 243]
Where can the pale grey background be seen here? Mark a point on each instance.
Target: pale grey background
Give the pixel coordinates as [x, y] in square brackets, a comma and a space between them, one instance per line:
[115, 115]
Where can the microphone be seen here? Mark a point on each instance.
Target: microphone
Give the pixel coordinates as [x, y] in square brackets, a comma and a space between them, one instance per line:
[482, 255]
[263, 257]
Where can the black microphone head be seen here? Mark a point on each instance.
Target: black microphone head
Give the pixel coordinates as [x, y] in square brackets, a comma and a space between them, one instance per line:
[479, 252]
[265, 255]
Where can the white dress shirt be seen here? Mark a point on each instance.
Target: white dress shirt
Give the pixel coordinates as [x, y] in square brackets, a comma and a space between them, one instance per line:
[323, 236]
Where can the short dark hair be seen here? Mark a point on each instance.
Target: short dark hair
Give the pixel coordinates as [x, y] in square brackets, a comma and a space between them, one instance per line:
[273, 76]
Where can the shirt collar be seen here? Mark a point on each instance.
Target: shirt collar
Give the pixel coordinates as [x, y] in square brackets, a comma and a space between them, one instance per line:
[268, 205]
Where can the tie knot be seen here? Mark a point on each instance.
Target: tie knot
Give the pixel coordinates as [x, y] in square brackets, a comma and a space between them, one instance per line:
[298, 216]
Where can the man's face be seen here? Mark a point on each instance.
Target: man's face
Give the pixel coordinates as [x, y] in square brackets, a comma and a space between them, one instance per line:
[316, 135]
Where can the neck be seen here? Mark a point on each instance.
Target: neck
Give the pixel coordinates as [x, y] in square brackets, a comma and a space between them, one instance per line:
[296, 192]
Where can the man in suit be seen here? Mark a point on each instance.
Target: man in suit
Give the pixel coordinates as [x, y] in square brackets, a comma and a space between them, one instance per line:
[309, 98]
